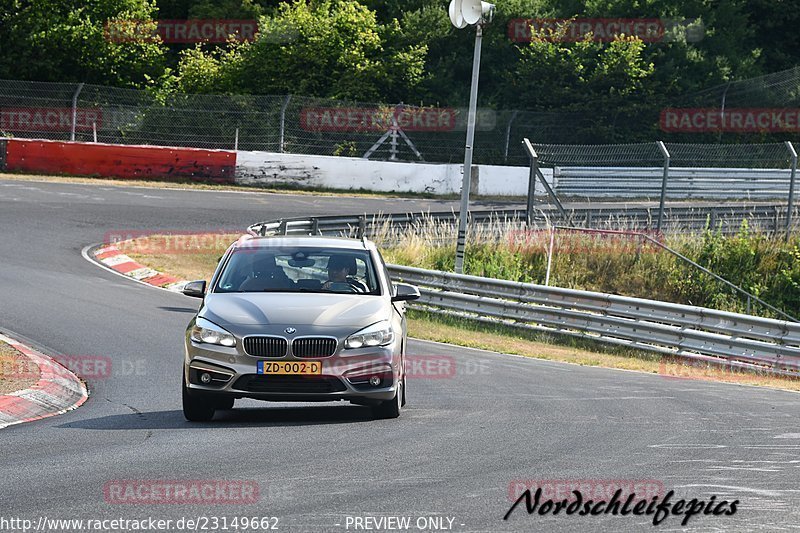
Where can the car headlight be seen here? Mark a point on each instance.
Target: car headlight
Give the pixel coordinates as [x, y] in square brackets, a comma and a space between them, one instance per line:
[209, 333]
[378, 334]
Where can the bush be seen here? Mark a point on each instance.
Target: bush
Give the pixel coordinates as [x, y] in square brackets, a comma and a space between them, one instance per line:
[766, 266]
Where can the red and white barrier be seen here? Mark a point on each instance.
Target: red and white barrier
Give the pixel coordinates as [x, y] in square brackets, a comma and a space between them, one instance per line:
[263, 169]
[119, 161]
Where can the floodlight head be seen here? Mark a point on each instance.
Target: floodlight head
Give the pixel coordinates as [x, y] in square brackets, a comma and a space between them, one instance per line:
[456, 16]
[475, 11]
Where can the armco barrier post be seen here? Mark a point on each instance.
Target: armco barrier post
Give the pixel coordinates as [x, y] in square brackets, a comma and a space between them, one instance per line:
[663, 184]
[75, 111]
[789, 211]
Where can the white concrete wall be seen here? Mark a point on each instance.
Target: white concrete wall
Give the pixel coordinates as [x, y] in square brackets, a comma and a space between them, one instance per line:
[508, 181]
[264, 168]
[269, 169]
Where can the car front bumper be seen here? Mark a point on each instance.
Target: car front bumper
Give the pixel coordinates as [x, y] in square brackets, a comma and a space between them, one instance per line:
[345, 375]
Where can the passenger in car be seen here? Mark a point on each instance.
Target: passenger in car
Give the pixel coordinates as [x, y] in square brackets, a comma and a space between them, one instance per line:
[266, 275]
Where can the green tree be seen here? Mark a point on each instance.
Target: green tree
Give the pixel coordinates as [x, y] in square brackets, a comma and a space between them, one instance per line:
[229, 9]
[556, 74]
[330, 48]
[66, 40]
[774, 24]
[448, 67]
[727, 48]
[215, 9]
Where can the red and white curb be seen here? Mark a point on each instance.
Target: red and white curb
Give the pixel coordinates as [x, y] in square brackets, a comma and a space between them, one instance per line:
[57, 391]
[113, 259]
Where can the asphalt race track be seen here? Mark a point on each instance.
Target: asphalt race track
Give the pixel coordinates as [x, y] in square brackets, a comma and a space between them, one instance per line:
[462, 440]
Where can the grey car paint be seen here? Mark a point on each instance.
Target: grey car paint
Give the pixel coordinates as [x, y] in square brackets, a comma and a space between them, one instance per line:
[290, 316]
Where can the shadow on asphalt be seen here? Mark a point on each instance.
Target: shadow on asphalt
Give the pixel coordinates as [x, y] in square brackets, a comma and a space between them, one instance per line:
[245, 417]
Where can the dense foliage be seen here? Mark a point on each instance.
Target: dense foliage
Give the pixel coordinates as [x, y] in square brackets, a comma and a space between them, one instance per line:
[406, 50]
[65, 40]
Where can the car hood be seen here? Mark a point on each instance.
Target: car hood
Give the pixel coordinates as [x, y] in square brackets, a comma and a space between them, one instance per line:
[321, 310]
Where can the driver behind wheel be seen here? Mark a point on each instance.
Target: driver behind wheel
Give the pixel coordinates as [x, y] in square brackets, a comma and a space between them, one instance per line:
[341, 269]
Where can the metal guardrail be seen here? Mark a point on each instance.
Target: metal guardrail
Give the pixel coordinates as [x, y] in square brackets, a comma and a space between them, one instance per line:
[737, 340]
[684, 183]
[366, 225]
[728, 219]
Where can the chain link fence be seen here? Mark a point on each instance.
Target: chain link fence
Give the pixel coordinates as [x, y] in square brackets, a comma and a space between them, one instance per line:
[288, 124]
[303, 125]
[671, 171]
[688, 155]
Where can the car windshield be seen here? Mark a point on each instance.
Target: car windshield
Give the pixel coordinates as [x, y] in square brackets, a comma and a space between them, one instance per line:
[299, 269]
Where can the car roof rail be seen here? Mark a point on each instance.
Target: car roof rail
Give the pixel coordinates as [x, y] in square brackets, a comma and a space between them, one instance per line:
[283, 226]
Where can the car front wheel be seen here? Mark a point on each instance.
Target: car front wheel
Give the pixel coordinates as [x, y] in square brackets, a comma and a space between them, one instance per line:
[391, 408]
[196, 408]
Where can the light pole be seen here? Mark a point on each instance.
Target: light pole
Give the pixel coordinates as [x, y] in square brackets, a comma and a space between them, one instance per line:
[465, 13]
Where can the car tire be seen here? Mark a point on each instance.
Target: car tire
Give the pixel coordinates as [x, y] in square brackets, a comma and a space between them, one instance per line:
[391, 408]
[196, 408]
[224, 404]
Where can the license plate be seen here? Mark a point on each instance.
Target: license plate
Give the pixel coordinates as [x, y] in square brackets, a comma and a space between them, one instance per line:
[289, 368]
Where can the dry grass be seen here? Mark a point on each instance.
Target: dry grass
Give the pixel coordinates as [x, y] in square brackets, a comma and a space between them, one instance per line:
[200, 262]
[187, 257]
[623, 264]
[17, 372]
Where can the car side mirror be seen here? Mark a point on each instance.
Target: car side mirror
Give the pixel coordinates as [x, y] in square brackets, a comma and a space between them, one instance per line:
[405, 293]
[195, 289]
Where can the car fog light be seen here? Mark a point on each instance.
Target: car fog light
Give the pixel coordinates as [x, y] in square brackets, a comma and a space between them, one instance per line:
[374, 381]
[205, 377]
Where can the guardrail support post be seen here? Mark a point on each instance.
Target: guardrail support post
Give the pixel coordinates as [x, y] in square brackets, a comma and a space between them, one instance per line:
[790, 209]
[362, 226]
[664, 181]
[75, 111]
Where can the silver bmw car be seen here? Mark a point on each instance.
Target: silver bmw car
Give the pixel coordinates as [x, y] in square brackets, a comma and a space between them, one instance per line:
[297, 319]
